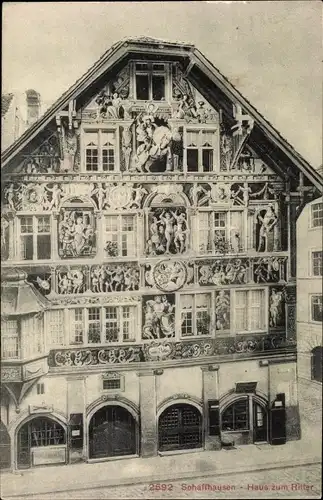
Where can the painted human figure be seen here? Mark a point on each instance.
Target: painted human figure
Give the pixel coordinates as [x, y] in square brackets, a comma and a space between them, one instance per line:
[162, 317]
[56, 191]
[235, 240]
[168, 222]
[127, 145]
[222, 310]
[95, 280]
[9, 194]
[275, 306]
[268, 221]
[180, 231]
[101, 195]
[139, 194]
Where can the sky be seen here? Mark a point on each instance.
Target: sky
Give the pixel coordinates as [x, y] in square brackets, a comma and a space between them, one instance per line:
[270, 50]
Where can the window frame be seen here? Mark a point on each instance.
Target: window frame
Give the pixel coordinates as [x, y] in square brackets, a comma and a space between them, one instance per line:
[211, 313]
[263, 307]
[311, 297]
[229, 226]
[99, 130]
[120, 232]
[150, 72]
[320, 258]
[134, 319]
[12, 337]
[34, 235]
[315, 207]
[231, 405]
[200, 129]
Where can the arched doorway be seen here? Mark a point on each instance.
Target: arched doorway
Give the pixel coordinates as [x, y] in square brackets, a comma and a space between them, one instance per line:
[112, 432]
[316, 363]
[41, 441]
[4, 447]
[179, 428]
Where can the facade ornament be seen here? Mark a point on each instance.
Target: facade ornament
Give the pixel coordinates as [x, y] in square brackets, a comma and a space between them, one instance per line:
[56, 195]
[120, 196]
[76, 233]
[99, 194]
[71, 281]
[222, 310]
[114, 278]
[127, 145]
[275, 308]
[267, 220]
[218, 273]
[168, 232]
[169, 275]
[139, 192]
[159, 317]
[195, 193]
[240, 195]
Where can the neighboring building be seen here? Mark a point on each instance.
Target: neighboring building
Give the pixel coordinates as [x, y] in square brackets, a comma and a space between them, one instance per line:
[18, 112]
[149, 234]
[309, 291]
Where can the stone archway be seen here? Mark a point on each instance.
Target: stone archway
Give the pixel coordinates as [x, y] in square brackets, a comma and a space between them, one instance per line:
[112, 431]
[180, 426]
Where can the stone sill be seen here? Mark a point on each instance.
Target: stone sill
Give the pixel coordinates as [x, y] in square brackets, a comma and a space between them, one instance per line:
[109, 459]
[179, 452]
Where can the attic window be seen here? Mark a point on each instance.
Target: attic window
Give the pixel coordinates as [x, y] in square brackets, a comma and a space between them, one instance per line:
[150, 81]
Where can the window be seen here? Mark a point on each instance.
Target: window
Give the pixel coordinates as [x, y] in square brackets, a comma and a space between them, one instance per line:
[236, 416]
[317, 308]
[316, 363]
[41, 388]
[195, 314]
[55, 324]
[100, 149]
[249, 310]
[200, 150]
[35, 237]
[150, 81]
[317, 263]
[120, 235]
[32, 333]
[317, 215]
[103, 325]
[9, 340]
[46, 432]
[220, 232]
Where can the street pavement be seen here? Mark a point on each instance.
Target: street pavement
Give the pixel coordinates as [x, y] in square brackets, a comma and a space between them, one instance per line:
[291, 482]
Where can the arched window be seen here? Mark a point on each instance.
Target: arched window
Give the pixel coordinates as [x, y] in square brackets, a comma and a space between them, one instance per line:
[316, 363]
[236, 416]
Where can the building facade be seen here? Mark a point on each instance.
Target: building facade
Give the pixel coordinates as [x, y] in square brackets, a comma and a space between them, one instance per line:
[18, 112]
[149, 272]
[309, 289]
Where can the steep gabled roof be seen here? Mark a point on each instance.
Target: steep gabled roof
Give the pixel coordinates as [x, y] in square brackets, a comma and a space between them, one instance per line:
[197, 66]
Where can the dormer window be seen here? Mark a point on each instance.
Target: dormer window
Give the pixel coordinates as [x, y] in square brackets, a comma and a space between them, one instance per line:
[150, 81]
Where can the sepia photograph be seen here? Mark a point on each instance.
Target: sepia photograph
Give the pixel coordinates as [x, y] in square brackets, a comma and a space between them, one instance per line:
[161, 250]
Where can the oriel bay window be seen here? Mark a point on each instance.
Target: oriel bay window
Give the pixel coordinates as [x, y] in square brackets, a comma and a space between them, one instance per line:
[120, 236]
[200, 150]
[34, 237]
[100, 151]
[10, 348]
[103, 325]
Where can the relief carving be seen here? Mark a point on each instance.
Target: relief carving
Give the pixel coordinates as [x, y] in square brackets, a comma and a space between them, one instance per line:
[233, 271]
[168, 231]
[158, 317]
[115, 278]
